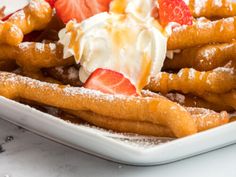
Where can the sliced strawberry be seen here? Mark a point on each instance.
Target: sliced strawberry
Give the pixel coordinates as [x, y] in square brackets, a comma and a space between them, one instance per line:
[108, 81]
[80, 9]
[51, 2]
[174, 11]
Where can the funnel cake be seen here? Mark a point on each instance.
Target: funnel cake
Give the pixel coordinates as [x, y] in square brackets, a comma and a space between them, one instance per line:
[203, 58]
[202, 33]
[219, 80]
[203, 118]
[126, 126]
[196, 101]
[34, 56]
[35, 16]
[207, 119]
[212, 9]
[10, 33]
[155, 110]
[41, 76]
[228, 98]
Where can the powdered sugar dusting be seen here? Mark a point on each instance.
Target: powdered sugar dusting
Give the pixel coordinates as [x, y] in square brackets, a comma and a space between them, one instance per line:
[224, 69]
[209, 52]
[59, 69]
[20, 15]
[14, 29]
[176, 97]
[34, 5]
[192, 73]
[133, 140]
[138, 141]
[40, 47]
[203, 25]
[73, 73]
[206, 117]
[199, 5]
[24, 45]
[52, 47]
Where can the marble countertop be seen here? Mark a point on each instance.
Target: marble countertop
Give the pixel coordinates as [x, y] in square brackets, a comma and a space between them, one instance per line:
[26, 154]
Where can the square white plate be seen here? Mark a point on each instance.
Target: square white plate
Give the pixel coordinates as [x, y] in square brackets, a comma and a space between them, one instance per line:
[135, 150]
[128, 149]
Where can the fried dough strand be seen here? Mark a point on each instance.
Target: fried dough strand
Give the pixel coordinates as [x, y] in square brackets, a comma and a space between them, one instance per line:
[211, 8]
[228, 99]
[125, 126]
[187, 80]
[35, 16]
[195, 101]
[10, 33]
[203, 58]
[202, 33]
[34, 56]
[204, 120]
[155, 110]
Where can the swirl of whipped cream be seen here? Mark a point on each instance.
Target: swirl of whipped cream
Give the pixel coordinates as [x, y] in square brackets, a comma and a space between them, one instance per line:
[120, 42]
[139, 9]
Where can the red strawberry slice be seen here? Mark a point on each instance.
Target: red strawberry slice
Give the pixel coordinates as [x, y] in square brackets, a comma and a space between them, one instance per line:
[174, 11]
[51, 2]
[80, 9]
[111, 82]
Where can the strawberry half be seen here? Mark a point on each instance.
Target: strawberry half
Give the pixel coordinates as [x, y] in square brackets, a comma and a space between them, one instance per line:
[111, 82]
[80, 9]
[174, 11]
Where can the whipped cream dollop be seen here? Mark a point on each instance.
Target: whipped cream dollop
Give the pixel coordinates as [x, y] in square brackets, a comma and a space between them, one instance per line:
[132, 43]
[139, 9]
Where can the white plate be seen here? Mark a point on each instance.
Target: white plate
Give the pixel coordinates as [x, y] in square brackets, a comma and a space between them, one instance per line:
[134, 150]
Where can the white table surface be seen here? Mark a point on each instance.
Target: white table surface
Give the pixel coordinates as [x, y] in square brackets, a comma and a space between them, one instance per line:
[35, 156]
[31, 155]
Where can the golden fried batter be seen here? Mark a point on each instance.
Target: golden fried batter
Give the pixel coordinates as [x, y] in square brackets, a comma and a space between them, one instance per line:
[203, 58]
[207, 119]
[220, 80]
[195, 101]
[228, 98]
[35, 16]
[34, 56]
[126, 126]
[211, 8]
[155, 110]
[200, 33]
